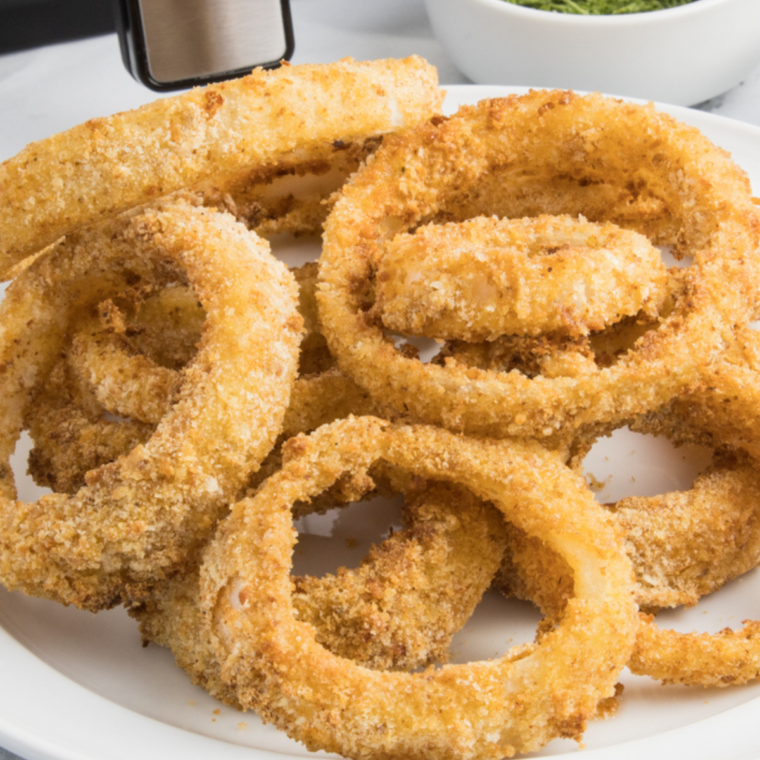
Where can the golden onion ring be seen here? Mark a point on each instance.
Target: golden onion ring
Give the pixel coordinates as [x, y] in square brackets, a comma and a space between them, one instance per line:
[210, 134]
[485, 709]
[487, 277]
[398, 610]
[504, 157]
[138, 517]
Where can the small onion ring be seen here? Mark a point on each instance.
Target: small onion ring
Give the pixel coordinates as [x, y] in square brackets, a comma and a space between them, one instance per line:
[138, 518]
[487, 277]
[128, 383]
[123, 382]
[478, 162]
[71, 436]
[485, 709]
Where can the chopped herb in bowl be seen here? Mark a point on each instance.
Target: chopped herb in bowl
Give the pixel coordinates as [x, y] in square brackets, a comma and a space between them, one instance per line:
[600, 7]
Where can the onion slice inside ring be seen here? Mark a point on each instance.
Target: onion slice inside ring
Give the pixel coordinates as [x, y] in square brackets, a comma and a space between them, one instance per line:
[556, 153]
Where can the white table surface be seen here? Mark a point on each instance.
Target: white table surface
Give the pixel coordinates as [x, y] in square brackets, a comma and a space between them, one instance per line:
[49, 89]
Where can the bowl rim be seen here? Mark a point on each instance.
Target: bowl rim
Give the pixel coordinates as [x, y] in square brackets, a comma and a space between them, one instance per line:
[642, 17]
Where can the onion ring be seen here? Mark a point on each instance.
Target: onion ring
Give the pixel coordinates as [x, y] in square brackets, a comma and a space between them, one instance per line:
[728, 657]
[398, 610]
[487, 709]
[138, 518]
[487, 277]
[130, 384]
[165, 325]
[111, 164]
[683, 544]
[477, 162]
[123, 382]
[70, 435]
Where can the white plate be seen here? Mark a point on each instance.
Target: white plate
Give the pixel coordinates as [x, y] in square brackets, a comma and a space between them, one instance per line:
[76, 686]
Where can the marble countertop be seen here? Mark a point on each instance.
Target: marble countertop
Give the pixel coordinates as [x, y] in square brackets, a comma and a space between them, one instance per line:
[49, 89]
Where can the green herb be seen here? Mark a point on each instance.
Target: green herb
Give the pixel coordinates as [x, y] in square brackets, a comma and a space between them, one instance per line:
[600, 7]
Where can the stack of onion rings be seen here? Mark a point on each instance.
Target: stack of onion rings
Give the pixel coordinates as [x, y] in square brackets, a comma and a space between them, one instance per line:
[181, 392]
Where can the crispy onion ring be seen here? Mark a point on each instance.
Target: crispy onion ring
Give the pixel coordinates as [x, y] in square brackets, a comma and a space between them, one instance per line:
[590, 155]
[728, 657]
[397, 610]
[123, 382]
[291, 115]
[66, 420]
[129, 383]
[71, 436]
[484, 709]
[165, 325]
[137, 518]
[682, 544]
[487, 277]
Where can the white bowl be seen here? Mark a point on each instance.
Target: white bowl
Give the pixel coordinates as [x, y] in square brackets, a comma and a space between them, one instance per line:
[681, 55]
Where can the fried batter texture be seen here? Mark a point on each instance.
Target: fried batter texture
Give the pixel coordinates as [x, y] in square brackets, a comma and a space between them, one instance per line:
[487, 277]
[544, 153]
[682, 544]
[189, 398]
[138, 518]
[398, 610]
[128, 371]
[705, 415]
[127, 362]
[269, 122]
[486, 709]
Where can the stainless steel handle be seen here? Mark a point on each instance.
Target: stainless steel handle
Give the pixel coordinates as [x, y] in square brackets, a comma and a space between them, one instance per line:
[169, 44]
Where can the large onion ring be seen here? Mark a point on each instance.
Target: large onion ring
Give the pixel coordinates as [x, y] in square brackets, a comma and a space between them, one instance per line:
[108, 165]
[487, 277]
[397, 610]
[504, 157]
[486, 709]
[138, 517]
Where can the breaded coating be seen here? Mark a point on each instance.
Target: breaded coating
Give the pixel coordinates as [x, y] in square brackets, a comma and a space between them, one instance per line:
[398, 610]
[683, 544]
[137, 518]
[516, 703]
[218, 133]
[575, 147]
[487, 277]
